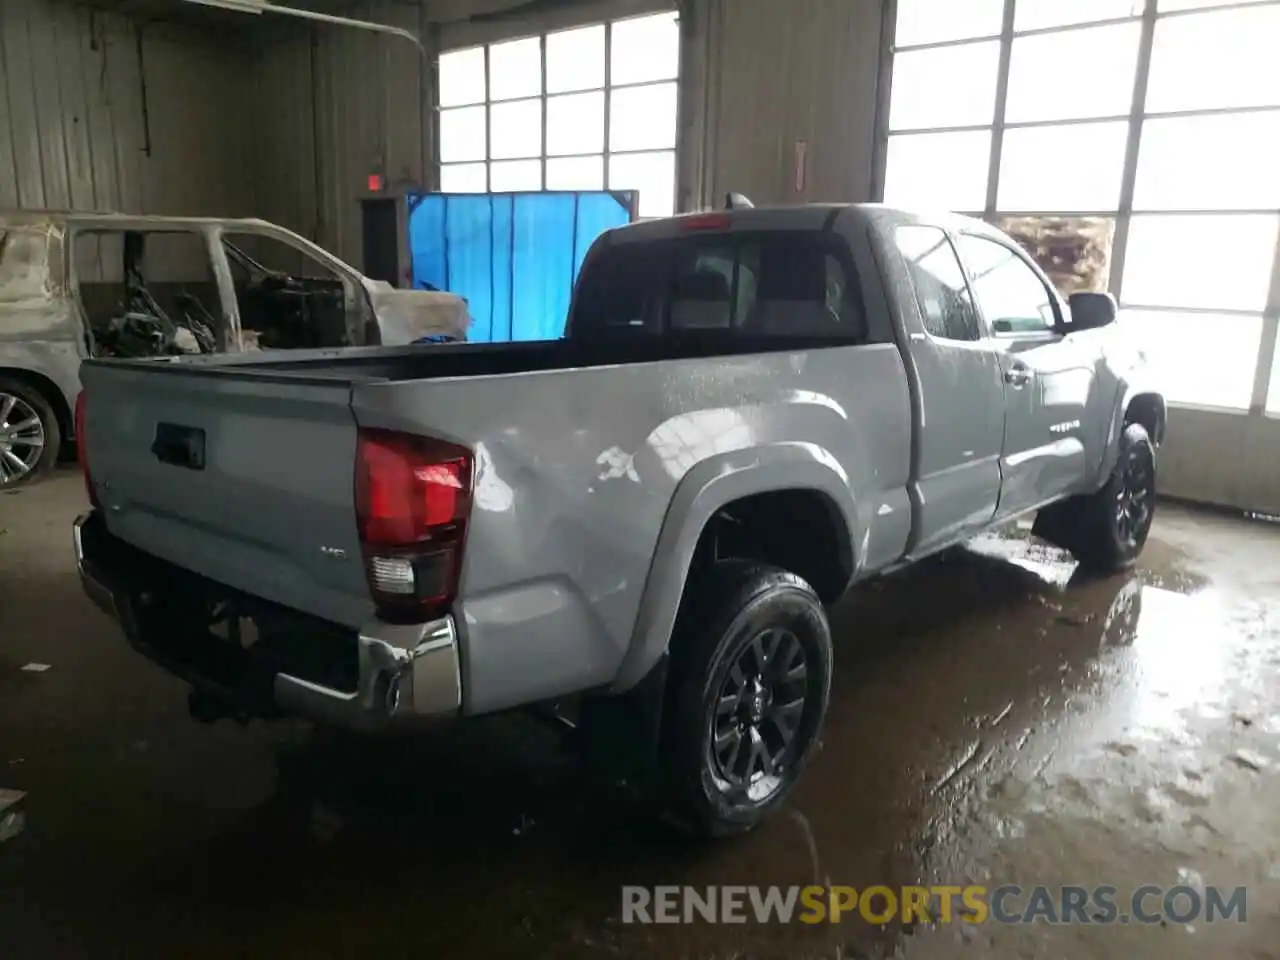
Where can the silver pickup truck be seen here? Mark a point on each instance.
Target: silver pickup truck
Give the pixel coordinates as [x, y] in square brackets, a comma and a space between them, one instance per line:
[751, 411]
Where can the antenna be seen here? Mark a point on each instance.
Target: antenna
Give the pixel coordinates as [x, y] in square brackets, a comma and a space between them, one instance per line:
[737, 201]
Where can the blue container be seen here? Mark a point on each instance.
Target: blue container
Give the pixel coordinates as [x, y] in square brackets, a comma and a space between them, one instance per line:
[513, 256]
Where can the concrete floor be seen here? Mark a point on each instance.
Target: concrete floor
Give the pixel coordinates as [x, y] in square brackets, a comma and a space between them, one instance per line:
[991, 722]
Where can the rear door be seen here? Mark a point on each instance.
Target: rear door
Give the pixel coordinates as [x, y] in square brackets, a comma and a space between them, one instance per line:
[962, 393]
[1048, 377]
[244, 478]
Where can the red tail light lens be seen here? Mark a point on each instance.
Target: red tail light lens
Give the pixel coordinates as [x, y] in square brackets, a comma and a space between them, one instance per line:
[413, 497]
[82, 446]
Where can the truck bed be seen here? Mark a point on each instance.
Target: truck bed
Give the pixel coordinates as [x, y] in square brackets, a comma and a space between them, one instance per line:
[462, 360]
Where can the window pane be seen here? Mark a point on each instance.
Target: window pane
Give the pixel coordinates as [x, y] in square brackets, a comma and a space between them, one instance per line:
[930, 21]
[1198, 358]
[515, 175]
[943, 171]
[1076, 167]
[575, 59]
[938, 279]
[646, 48]
[946, 87]
[1036, 14]
[517, 129]
[462, 134]
[515, 69]
[786, 287]
[701, 291]
[575, 123]
[1105, 89]
[1010, 295]
[1225, 58]
[653, 174]
[781, 286]
[1203, 261]
[575, 173]
[1177, 154]
[642, 118]
[1075, 252]
[463, 178]
[462, 77]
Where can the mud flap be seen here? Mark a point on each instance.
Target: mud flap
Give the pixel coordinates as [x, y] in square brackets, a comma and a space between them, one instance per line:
[619, 734]
[1057, 524]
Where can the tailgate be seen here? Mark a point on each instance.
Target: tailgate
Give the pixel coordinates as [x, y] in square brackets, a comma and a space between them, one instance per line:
[243, 478]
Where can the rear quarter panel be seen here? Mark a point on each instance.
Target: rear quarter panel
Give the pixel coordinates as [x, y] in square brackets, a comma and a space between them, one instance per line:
[581, 473]
[40, 330]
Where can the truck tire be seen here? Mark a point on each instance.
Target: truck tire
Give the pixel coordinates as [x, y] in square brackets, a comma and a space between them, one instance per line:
[29, 434]
[1111, 526]
[746, 699]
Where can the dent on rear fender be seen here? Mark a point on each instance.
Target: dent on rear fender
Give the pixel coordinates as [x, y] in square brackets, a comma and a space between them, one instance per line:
[583, 551]
[580, 471]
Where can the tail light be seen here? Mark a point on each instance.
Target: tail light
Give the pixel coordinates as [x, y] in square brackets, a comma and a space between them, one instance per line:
[413, 497]
[82, 446]
[706, 221]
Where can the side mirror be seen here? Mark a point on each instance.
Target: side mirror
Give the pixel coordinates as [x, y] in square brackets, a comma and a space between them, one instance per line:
[1091, 310]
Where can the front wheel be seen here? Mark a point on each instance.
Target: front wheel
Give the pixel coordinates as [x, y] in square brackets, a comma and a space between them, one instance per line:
[1115, 521]
[749, 685]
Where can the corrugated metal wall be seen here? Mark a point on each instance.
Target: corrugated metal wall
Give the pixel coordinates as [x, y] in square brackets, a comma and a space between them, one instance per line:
[77, 129]
[333, 105]
[286, 120]
[764, 74]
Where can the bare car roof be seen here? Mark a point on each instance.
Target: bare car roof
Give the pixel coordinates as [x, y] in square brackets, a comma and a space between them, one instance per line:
[41, 218]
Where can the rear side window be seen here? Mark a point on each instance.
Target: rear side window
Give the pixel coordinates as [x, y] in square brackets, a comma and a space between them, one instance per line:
[24, 265]
[945, 304]
[751, 286]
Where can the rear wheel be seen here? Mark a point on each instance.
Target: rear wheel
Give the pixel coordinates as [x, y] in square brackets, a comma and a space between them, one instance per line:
[29, 434]
[749, 685]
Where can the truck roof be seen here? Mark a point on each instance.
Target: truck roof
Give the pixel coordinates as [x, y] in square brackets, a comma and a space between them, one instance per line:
[809, 216]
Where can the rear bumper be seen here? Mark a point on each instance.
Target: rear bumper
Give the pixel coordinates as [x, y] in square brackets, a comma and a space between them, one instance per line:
[393, 673]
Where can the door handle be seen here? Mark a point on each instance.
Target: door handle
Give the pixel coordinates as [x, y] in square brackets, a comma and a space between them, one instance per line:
[1017, 377]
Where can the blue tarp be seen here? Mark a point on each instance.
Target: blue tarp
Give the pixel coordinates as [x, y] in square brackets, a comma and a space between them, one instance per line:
[513, 256]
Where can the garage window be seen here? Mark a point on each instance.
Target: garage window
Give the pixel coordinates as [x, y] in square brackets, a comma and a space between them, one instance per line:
[1159, 185]
[589, 108]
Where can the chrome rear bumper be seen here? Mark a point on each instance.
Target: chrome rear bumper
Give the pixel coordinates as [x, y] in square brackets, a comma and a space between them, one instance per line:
[404, 671]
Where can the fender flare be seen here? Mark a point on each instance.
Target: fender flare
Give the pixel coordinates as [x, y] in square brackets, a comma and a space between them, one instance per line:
[1124, 397]
[705, 489]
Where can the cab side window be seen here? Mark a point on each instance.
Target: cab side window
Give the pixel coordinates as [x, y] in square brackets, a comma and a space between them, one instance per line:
[1012, 297]
[945, 304]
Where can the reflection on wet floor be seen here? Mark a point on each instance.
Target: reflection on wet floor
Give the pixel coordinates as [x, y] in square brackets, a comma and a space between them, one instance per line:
[994, 719]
